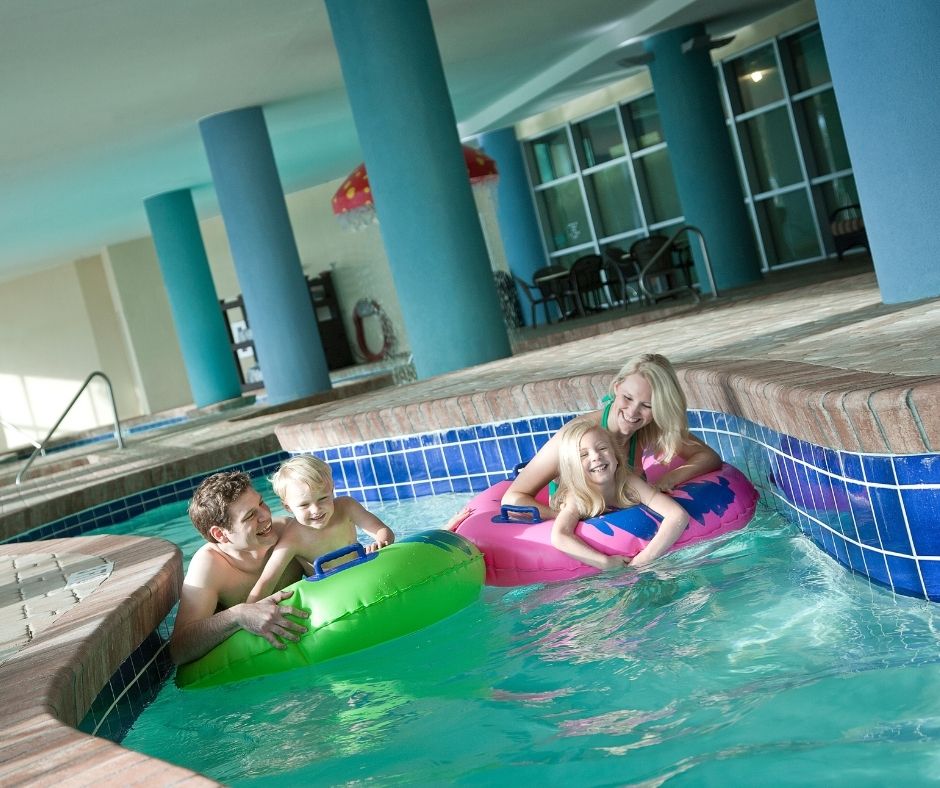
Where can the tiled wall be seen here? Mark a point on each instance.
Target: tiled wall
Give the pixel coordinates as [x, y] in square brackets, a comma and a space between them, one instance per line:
[875, 514]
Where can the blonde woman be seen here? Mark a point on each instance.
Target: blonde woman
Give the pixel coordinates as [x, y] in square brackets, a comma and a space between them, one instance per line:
[593, 479]
[645, 412]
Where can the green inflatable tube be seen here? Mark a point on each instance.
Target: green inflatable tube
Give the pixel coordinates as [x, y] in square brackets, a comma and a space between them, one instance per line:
[399, 589]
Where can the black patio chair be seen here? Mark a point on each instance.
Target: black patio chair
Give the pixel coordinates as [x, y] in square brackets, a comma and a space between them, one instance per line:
[663, 274]
[588, 284]
[536, 296]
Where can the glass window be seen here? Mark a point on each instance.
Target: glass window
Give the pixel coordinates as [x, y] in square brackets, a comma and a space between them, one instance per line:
[824, 132]
[641, 118]
[756, 80]
[767, 142]
[600, 139]
[810, 67]
[787, 228]
[613, 200]
[659, 195]
[838, 193]
[552, 156]
[564, 220]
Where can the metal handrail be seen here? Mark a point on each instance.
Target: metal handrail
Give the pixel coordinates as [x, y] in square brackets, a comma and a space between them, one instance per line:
[667, 247]
[117, 422]
[29, 440]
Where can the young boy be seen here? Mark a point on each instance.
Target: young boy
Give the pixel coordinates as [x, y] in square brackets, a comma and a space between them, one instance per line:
[321, 522]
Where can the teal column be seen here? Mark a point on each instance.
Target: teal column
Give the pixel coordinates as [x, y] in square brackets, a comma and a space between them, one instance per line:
[204, 341]
[884, 60]
[267, 263]
[515, 210]
[703, 162]
[427, 216]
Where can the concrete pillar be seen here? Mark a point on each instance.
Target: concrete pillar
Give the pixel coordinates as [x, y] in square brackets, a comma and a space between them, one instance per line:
[884, 62]
[702, 159]
[267, 263]
[204, 342]
[515, 210]
[427, 217]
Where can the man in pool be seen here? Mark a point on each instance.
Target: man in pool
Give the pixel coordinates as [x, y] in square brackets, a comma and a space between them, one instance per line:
[240, 534]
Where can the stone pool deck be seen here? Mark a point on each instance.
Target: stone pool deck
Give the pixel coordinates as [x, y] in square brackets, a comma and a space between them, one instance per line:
[813, 354]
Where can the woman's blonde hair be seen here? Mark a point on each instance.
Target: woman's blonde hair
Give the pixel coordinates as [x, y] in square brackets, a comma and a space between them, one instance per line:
[312, 471]
[573, 485]
[669, 428]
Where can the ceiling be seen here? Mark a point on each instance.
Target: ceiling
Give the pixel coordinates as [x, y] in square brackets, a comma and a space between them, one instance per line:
[100, 99]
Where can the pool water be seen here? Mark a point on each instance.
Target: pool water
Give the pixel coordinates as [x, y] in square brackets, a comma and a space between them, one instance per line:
[753, 657]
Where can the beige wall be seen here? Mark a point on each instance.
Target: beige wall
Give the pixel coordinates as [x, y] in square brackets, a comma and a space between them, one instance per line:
[145, 320]
[50, 345]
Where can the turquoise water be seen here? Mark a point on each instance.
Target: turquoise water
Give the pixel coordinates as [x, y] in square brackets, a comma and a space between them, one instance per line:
[751, 658]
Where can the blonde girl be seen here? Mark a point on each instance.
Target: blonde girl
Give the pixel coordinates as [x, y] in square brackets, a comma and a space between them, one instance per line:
[645, 412]
[594, 479]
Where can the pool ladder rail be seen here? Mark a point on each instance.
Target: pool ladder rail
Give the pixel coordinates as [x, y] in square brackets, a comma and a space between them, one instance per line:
[40, 448]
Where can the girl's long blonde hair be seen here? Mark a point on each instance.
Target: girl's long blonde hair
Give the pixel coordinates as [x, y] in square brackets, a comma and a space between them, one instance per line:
[669, 428]
[574, 486]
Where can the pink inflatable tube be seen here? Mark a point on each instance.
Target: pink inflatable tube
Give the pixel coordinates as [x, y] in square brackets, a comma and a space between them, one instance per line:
[519, 553]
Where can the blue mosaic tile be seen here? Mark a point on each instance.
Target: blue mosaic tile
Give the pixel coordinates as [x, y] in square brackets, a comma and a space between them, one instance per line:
[450, 436]
[878, 469]
[484, 431]
[411, 442]
[539, 424]
[708, 421]
[399, 467]
[509, 450]
[522, 426]
[441, 487]
[525, 447]
[371, 495]
[416, 466]
[466, 435]
[839, 545]
[855, 558]
[886, 505]
[460, 485]
[404, 491]
[851, 466]
[388, 493]
[931, 573]
[863, 515]
[422, 489]
[503, 429]
[904, 575]
[393, 444]
[695, 419]
[360, 450]
[554, 423]
[383, 471]
[492, 461]
[473, 460]
[453, 461]
[366, 472]
[923, 506]
[350, 473]
[434, 457]
[918, 469]
[479, 483]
